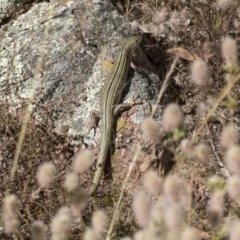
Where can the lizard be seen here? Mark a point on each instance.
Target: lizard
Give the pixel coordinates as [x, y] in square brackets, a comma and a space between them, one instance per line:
[111, 93]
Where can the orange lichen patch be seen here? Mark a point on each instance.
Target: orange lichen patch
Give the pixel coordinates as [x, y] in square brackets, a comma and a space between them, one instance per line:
[121, 123]
[88, 2]
[106, 66]
[64, 1]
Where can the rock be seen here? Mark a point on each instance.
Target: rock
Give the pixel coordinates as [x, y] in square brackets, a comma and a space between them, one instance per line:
[51, 57]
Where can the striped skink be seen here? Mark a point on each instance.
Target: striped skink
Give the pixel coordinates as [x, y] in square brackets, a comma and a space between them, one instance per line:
[110, 97]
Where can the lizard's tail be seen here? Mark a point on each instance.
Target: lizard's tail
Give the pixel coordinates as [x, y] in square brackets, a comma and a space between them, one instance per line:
[104, 149]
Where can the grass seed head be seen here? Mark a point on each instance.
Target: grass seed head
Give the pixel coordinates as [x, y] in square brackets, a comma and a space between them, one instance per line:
[160, 16]
[230, 52]
[172, 117]
[174, 190]
[71, 182]
[216, 207]
[139, 235]
[99, 222]
[233, 187]
[45, 174]
[134, 25]
[172, 235]
[10, 204]
[141, 208]
[215, 182]
[10, 214]
[78, 201]
[38, 230]
[234, 230]
[229, 136]
[152, 183]
[10, 223]
[224, 4]
[82, 161]
[199, 73]
[175, 20]
[151, 129]
[153, 231]
[157, 212]
[90, 234]
[202, 152]
[232, 159]
[173, 217]
[61, 224]
[189, 233]
[187, 147]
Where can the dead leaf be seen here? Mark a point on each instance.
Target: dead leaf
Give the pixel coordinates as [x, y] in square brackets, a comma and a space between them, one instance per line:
[183, 53]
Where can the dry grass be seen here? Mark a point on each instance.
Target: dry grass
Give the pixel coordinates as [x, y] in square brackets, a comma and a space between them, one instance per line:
[196, 196]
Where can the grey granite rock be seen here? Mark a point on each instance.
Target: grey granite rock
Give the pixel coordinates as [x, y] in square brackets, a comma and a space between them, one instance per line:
[5, 6]
[53, 55]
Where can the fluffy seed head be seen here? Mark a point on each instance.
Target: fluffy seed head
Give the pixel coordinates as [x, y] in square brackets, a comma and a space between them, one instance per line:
[224, 4]
[175, 19]
[172, 217]
[216, 207]
[152, 183]
[154, 29]
[229, 136]
[89, 234]
[172, 117]
[78, 202]
[199, 73]
[233, 187]
[82, 161]
[216, 182]
[141, 208]
[139, 235]
[38, 230]
[150, 129]
[203, 108]
[172, 235]
[157, 212]
[71, 182]
[9, 213]
[230, 52]
[153, 231]
[202, 152]
[174, 190]
[10, 204]
[10, 223]
[186, 147]
[232, 159]
[45, 174]
[189, 233]
[160, 16]
[134, 25]
[61, 224]
[234, 230]
[99, 222]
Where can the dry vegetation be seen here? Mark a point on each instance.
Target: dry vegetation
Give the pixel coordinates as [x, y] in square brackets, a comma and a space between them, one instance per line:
[196, 196]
